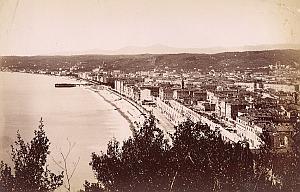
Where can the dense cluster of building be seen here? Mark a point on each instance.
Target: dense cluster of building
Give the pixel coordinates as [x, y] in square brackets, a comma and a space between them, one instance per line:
[241, 106]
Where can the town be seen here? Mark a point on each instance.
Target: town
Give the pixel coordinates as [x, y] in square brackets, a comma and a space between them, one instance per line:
[240, 104]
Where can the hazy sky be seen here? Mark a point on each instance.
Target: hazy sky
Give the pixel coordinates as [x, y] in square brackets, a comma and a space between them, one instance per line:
[54, 26]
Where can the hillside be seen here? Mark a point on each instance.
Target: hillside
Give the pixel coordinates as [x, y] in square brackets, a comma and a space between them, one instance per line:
[186, 61]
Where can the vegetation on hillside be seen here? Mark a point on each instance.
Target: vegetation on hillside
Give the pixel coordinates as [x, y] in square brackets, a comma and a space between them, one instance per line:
[130, 63]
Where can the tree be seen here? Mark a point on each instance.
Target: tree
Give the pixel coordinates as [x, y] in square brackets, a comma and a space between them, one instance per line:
[139, 165]
[276, 171]
[6, 177]
[92, 187]
[30, 170]
[63, 164]
[204, 162]
[197, 160]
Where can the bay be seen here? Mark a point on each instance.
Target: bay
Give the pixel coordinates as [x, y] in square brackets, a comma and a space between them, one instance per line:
[71, 115]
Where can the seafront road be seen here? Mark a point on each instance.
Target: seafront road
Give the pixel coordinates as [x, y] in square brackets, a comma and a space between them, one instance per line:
[162, 122]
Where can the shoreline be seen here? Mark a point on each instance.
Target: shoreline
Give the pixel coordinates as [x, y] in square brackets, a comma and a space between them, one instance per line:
[111, 97]
[82, 123]
[129, 112]
[131, 124]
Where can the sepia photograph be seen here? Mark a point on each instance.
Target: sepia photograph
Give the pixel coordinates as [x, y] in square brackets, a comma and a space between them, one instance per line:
[149, 95]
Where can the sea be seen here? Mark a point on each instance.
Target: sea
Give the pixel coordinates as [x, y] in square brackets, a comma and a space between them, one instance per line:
[75, 119]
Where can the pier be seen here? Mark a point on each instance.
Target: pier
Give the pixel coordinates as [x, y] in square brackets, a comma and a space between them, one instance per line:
[62, 85]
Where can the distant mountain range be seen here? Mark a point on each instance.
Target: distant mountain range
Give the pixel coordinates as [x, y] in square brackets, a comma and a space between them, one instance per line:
[163, 49]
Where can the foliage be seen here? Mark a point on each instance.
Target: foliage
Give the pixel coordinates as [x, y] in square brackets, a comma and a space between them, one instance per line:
[197, 160]
[206, 163]
[140, 165]
[92, 187]
[276, 171]
[30, 170]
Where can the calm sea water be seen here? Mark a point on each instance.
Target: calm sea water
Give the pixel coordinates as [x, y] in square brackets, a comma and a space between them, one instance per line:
[75, 114]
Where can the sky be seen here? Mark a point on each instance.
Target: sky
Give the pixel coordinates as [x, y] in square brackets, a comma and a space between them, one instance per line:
[37, 27]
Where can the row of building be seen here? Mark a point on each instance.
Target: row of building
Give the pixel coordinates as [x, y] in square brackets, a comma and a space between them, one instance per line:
[240, 111]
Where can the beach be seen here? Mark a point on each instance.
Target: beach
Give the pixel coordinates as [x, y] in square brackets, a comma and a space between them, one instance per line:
[134, 113]
[131, 112]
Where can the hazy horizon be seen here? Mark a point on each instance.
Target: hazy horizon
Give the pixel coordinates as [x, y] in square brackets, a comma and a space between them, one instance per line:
[49, 27]
[165, 49]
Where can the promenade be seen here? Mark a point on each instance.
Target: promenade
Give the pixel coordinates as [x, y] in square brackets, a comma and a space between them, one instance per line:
[134, 112]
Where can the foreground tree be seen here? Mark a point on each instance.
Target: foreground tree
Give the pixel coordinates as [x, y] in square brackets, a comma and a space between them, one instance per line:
[197, 160]
[30, 170]
[277, 171]
[204, 162]
[140, 165]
